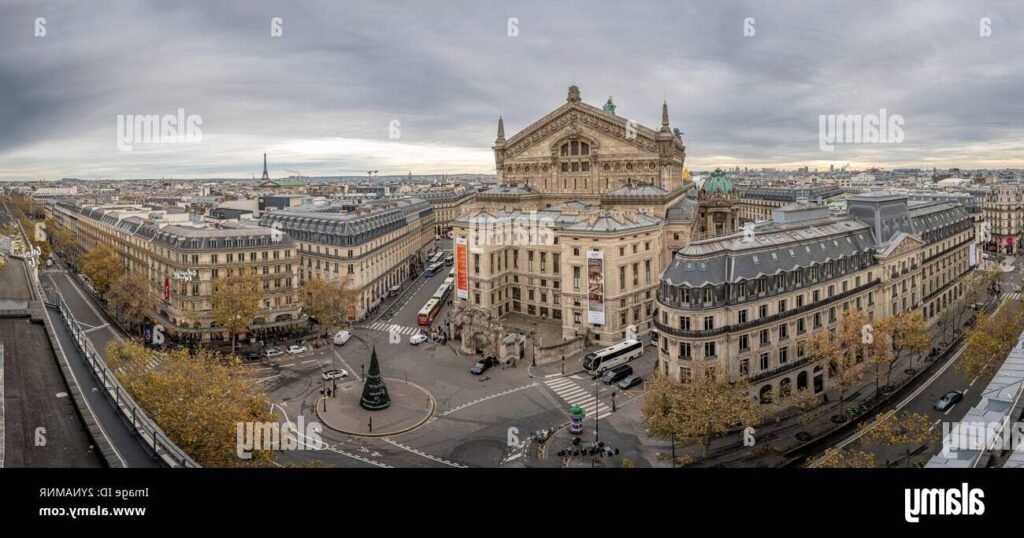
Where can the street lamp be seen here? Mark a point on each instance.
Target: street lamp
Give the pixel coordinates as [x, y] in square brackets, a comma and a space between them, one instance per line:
[597, 414]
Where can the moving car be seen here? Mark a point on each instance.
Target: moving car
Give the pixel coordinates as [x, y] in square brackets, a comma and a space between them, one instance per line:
[482, 365]
[630, 382]
[948, 400]
[342, 337]
[418, 339]
[334, 373]
[295, 350]
[272, 352]
[617, 374]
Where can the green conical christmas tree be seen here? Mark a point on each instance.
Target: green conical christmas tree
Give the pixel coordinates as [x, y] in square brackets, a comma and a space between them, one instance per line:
[375, 392]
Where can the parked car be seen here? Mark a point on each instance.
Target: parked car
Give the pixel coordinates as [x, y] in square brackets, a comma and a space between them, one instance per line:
[272, 352]
[334, 373]
[418, 339]
[618, 373]
[482, 365]
[971, 321]
[252, 356]
[342, 337]
[948, 400]
[295, 350]
[654, 337]
[630, 382]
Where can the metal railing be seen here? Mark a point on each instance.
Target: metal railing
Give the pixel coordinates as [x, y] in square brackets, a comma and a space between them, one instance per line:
[155, 439]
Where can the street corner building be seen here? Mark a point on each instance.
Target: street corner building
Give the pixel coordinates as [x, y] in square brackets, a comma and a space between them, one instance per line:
[369, 246]
[745, 304]
[182, 256]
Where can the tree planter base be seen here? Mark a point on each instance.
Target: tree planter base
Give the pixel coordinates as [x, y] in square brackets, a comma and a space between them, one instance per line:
[839, 419]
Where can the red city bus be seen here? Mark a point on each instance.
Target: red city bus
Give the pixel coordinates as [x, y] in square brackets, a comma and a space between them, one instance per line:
[428, 312]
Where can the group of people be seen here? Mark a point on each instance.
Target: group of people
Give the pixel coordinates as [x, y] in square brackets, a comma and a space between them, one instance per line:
[437, 335]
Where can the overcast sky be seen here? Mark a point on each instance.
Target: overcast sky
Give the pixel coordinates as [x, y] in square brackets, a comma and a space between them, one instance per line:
[322, 98]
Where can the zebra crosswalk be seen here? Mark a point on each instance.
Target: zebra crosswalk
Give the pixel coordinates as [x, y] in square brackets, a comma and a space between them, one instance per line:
[390, 327]
[55, 270]
[1012, 296]
[572, 393]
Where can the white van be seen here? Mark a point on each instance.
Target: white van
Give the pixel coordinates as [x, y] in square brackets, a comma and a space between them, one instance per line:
[342, 337]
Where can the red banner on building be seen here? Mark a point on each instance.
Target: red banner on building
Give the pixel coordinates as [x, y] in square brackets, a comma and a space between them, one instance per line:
[461, 268]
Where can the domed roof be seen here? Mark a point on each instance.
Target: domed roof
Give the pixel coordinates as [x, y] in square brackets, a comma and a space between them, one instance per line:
[717, 183]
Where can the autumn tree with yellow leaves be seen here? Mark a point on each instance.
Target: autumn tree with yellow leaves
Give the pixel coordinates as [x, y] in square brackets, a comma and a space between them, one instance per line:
[197, 400]
[843, 351]
[990, 341]
[103, 266]
[699, 410]
[235, 301]
[848, 458]
[907, 335]
[904, 429]
[131, 299]
[330, 302]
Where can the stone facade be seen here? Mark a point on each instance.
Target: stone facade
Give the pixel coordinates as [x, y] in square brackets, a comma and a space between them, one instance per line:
[580, 180]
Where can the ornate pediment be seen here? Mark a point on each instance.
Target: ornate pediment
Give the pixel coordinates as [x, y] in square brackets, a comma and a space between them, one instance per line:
[578, 118]
[902, 243]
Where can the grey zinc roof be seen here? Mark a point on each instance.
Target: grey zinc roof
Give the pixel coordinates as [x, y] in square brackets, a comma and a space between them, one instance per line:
[928, 216]
[509, 189]
[773, 249]
[608, 222]
[331, 224]
[682, 211]
[184, 237]
[637, 189]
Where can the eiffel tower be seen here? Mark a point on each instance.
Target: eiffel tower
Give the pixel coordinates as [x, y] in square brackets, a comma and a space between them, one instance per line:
[266, 176]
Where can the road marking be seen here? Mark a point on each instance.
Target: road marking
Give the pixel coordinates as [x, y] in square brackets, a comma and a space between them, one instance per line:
[323, 445]
[88, 303]
[485, 398]
[573, 394]
[389, 327]
[935, 424]
[973, 381]
[268, 377]
[424, 454]
[309, 361]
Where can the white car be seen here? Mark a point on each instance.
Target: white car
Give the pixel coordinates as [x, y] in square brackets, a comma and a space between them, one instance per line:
[334, 373]
[341, 338]
[270, 353]
[418, 339]
[295, 350]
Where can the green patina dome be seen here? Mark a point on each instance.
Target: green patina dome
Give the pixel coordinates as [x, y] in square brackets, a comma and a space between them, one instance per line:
[717, 183]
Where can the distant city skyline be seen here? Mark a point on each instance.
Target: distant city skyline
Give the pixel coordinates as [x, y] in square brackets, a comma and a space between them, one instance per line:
[399, 87]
